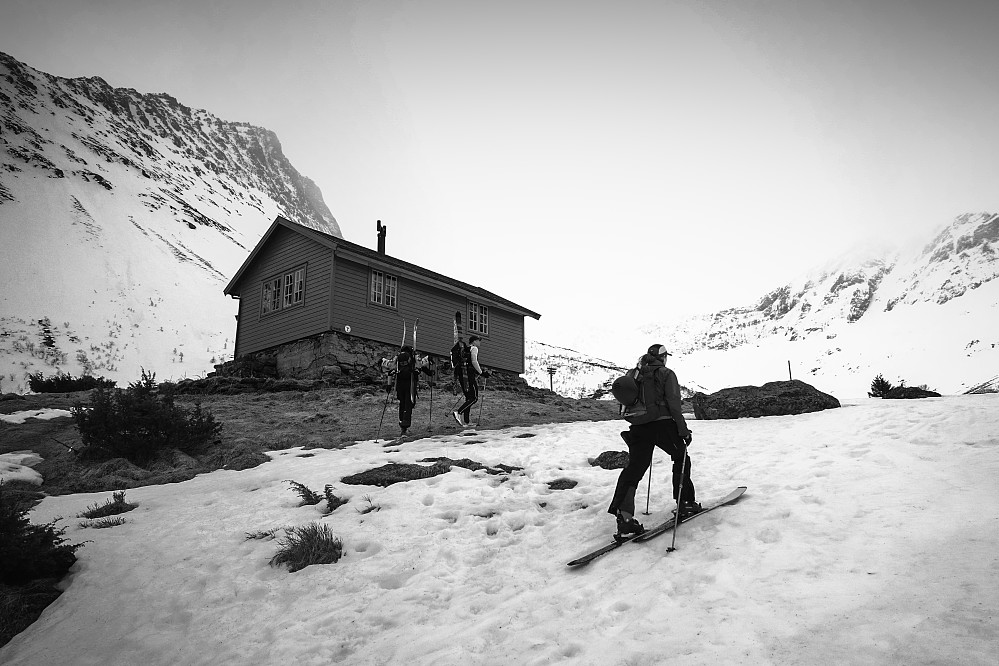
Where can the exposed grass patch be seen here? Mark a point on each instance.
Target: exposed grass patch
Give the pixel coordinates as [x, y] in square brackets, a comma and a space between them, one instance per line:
[112, 507]
[309, 544]
[369, 505]
[102, 523]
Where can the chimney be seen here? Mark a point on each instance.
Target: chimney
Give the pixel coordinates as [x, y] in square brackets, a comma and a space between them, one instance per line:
[382, 228]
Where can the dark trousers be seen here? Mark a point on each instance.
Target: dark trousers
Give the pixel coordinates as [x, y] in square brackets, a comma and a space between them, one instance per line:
[470, 388]
[641, 442]
[406, 392]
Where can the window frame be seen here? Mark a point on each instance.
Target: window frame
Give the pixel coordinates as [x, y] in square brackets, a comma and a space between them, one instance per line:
[383, 289]
[283, 291]
[477, 316]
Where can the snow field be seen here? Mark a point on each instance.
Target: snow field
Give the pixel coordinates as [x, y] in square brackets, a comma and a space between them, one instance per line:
[868, 535]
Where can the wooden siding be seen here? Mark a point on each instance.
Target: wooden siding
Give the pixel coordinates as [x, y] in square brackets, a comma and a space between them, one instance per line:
[503, 348]
[285, 251]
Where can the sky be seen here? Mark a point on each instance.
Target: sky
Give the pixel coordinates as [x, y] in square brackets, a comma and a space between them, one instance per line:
[598, 163]
[834, 555]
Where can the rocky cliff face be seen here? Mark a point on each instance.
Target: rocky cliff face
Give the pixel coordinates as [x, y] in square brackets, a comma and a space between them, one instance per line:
[75, 128]
[122, 217]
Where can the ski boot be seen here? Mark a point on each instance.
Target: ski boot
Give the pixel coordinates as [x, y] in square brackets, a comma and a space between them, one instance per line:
[689, 508]
[627, 528]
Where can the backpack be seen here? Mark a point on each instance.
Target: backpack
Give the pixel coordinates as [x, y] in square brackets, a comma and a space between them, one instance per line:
[406, 362]
[458, 354]
[631, 391]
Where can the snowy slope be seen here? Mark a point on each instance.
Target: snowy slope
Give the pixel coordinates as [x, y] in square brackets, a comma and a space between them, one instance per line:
[122, 217]
[868, 535]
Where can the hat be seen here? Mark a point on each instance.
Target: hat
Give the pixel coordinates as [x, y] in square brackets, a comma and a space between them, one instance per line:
[659, 350]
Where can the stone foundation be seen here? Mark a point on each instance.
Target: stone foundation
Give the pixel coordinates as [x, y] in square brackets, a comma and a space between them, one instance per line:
[339, 358]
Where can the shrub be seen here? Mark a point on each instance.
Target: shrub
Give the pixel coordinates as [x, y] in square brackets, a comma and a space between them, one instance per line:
[310, 544]
[60, 383]
[111, 507]
[139, 422]
[332, 501]
[308, 495]
[879, 387]
[29, 552]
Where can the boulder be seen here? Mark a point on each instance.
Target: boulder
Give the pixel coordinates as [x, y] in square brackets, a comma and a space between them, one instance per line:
[771, 399]
[909, 392]
[610, 460]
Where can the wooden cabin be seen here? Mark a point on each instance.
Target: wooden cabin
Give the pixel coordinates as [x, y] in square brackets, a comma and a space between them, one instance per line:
[299, 283]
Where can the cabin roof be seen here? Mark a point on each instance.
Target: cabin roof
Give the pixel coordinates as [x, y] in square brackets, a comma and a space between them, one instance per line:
[413, 271]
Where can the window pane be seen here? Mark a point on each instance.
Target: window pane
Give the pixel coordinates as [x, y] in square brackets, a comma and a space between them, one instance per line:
[289, 287]
[299, 294]
[391, 288]
[376, 287]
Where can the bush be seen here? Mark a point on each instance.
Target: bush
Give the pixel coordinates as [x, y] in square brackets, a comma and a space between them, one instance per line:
[139, 422]
[332, 501]
[879, 387]
[310, 544]
[66, 383]
[308, 495]
[29, 552]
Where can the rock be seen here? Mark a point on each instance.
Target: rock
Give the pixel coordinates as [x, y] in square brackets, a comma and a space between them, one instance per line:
[611, 460]
[771, 399]
[910, 392]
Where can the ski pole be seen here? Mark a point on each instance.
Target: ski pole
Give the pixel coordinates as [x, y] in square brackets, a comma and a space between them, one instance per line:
[679, 494]
[485, 380]
[648, 497]
[430, 422]
[388, 392]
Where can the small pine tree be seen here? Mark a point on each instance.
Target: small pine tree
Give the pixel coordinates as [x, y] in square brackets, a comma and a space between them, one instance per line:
[29, 552]
[880, 387]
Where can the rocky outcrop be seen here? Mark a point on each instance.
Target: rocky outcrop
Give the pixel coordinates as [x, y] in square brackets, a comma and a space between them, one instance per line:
[771, 399]
[909, 392]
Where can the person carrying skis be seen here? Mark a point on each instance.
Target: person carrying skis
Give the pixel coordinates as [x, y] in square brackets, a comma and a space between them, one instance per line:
[468, 380]
[407, 365]
[669, 432]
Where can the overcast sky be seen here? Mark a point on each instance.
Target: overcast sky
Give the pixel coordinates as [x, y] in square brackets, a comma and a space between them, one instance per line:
[587, 160]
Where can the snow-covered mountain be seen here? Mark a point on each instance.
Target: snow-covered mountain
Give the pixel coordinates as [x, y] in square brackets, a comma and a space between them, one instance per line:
[928, 316]
[122, 216]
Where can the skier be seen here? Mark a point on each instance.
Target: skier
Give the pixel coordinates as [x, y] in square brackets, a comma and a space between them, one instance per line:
[407, 365]
[468, 380]
[670, 433]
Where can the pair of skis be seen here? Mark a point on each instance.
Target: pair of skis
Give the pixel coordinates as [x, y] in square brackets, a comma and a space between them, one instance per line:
[656, 530]
[388, 393]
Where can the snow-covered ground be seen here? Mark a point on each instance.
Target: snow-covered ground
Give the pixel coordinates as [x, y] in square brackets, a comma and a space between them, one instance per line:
[869, 534]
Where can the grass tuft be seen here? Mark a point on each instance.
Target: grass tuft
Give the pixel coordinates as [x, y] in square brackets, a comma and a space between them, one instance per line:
[309, 544]
[308, 495]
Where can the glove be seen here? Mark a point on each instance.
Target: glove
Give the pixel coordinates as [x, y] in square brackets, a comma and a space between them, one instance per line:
[688, 439]
[487, 373]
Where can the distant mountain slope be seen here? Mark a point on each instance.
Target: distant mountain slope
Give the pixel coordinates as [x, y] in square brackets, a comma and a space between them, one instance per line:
[122, 216]
[928, 316]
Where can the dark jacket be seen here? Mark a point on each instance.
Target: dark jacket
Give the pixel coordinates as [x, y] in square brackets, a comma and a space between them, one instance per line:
[667, 383]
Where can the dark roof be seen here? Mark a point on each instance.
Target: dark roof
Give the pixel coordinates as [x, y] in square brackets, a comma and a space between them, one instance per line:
[415, 271]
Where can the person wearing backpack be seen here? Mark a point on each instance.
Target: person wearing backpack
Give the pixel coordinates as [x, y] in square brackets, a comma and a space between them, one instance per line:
[407, 365]
[658, 422]
[469, 386]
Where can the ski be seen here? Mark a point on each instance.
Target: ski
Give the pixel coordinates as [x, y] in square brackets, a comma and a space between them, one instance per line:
[656, 530]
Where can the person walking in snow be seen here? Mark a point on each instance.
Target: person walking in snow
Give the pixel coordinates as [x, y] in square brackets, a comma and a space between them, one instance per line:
[669, 432]
[468, 379]
[407, 365]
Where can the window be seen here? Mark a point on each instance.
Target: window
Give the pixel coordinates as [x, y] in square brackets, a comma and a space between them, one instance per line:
[384, 288]
[478, 318]
[283, 292]
[272, 296]
[294, 287]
